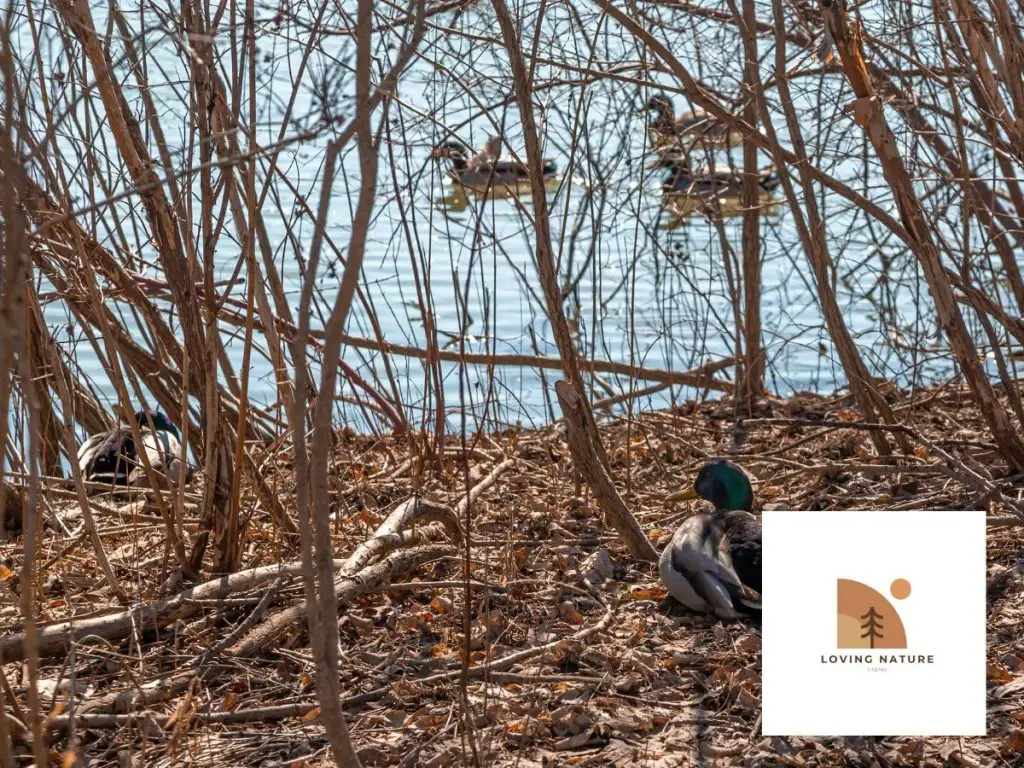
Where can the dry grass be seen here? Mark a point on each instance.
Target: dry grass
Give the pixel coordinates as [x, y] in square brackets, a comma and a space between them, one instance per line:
[603, 675]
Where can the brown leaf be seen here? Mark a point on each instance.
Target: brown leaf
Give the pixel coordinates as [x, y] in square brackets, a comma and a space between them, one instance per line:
[998, 673]
[312, 715]
[913, 750]
[441, 604]
[655, 593]
[568, 612]
[1014, 744]
[439, 649]
[749, 643]
[1013, 662]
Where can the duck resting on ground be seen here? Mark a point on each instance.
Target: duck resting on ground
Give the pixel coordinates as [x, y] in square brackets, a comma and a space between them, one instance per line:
[692, 129]
[113, 457]
[713, 562]
[486, 167]
[718, 181]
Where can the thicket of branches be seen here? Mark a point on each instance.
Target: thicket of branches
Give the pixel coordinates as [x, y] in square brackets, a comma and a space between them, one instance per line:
[201, 189]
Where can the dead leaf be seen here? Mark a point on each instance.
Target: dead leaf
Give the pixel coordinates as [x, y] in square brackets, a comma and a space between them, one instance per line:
[569, 720]
[632, 722]
[598, 736]
[439, 649]
[913, 750]
[568, 612]
[655, 593]
[746, 699]
[630, 685]
[1014, 744]
[720, 675]
[373, 756]
[441, 604]
[312, 715]
[998, 673]
[749, 643]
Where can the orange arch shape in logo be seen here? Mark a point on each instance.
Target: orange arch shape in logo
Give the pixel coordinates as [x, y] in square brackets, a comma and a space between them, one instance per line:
[865, 618]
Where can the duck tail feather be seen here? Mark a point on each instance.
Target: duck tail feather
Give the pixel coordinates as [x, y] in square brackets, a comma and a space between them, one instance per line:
[749, 603]
[111, 456]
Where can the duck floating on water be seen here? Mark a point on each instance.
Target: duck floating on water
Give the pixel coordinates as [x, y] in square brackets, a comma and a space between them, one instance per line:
[486, 168]
[113, 457]
[692, 129]
[720, 180]
[713, 562]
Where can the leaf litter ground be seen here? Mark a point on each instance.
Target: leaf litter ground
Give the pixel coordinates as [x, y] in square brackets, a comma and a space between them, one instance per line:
[573, 659]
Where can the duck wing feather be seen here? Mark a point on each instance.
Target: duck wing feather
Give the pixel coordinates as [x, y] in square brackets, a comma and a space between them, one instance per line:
[696, 568]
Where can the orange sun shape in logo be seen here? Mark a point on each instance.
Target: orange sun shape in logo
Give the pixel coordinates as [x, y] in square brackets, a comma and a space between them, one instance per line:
[900, 589]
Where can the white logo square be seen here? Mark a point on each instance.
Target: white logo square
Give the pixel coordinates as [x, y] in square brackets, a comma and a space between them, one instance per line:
[873, 623]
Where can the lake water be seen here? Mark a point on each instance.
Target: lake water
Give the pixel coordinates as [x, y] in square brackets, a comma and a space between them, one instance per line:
[639, 293]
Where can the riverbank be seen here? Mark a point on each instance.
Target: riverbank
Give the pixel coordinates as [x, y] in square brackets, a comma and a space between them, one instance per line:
[572, 661]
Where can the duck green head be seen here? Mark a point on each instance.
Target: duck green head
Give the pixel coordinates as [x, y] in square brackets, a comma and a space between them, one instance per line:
[722, 483]
[160, 422]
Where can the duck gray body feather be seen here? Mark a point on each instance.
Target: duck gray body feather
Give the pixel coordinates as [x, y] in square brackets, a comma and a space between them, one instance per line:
[713, 564]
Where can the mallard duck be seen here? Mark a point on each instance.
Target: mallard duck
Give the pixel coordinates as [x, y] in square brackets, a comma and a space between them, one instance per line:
[112, 457]
[695, 128]
[486, 168]
[713, 562]
[717, 181]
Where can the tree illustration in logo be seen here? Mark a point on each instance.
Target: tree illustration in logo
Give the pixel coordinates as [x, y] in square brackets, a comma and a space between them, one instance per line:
[865, 618]
[872, 626]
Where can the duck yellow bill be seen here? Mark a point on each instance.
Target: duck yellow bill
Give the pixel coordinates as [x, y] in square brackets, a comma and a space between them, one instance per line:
[684, 495]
